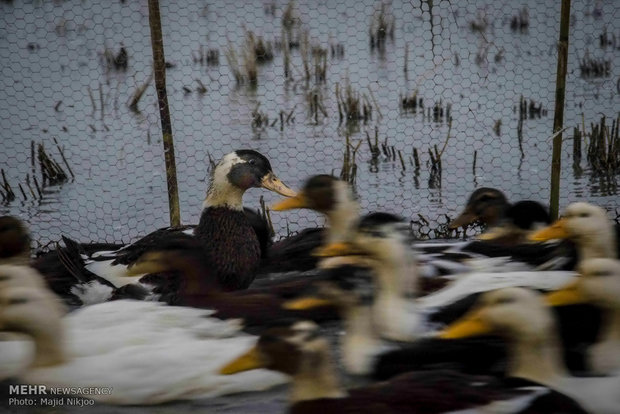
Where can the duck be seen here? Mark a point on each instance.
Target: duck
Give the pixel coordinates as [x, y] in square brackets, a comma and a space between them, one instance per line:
[14, 241]
[522, 317]
[508, 226]
[297, 349]
[598, 284]
[336, 199]
[589, 227]
[183, 255]
[327, 195]
[398, 309]
[162, 353]
[230, 243]
[506, 223]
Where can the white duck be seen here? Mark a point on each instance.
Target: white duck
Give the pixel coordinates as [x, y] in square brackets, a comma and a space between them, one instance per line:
[161, 353]
[588, 226]
[522, 317]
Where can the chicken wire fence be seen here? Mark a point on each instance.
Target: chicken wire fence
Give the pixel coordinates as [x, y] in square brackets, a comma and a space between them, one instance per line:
[417, 103]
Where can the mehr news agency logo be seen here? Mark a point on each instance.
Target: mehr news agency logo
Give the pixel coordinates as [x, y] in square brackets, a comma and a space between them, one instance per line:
[42, 395]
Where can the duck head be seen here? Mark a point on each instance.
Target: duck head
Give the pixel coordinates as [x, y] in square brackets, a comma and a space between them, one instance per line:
[381, 237]
[587, 226]
[281, 348]
[330, 196]
[516, 313]
[487, 205]
[345, 287]
[14, 241]
[237, 172]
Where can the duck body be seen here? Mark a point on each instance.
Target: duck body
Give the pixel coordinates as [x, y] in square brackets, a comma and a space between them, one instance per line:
[230, 242]
[162, 353]
[520, 316]
[301, 353]
[257, 307]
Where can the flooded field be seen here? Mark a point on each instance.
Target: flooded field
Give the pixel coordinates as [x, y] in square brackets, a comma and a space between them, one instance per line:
[469, 66]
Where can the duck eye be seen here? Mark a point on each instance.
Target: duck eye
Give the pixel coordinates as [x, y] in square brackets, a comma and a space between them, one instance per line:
[602, 273]
[584, 215]
[17, 301]
[252, 161]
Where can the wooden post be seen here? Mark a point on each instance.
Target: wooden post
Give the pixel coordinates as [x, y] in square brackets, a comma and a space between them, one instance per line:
[558, 119]
[159, 69]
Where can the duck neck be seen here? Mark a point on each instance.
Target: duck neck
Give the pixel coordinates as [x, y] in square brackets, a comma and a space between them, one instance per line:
[610, 333]
[48, 343]
[360, 344]
[222, 193]
[599, 245]
[536, 359]
[316, 379]
[397, 278]
[342, 220]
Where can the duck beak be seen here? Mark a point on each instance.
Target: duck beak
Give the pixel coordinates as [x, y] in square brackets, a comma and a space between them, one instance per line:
[250, 360]
[298, 201]
[467, 217]
[568, 295]
[309, 302]
[556, 231]
[148, 263]
[273, 183]
[340, 261]
[337, 249]
[471, 324]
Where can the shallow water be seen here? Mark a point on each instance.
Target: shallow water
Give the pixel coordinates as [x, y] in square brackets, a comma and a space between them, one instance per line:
[53, 65]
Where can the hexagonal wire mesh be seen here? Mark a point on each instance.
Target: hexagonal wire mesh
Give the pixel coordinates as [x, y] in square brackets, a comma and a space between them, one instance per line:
[433, 98]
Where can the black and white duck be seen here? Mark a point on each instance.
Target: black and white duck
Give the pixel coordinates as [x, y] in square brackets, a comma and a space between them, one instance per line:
[298, 350]
[384, 240]
[534, 352]
[230, 243]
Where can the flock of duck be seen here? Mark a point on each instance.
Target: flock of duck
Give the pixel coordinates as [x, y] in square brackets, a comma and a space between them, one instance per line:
[523, 318]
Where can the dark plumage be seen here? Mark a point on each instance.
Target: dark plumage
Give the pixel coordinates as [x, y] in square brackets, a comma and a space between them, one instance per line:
[183, 257]
[491, 208]
[231, 239]
[14, 241]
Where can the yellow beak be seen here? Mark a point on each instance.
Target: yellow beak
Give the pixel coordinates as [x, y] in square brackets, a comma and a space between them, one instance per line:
[298, 201]
[469, 325]
[273, 183]
[246, 362]
[568, 295]
[306, 303]
[556, 231]
[338, 249]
